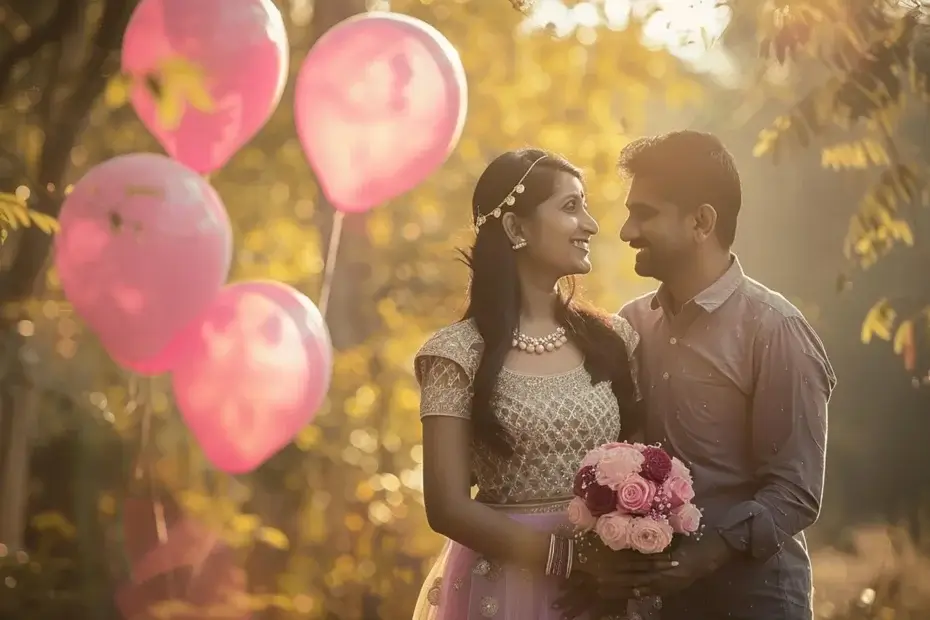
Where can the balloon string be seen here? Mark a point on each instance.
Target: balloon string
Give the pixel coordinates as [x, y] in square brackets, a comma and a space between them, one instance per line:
[329, 269]
[158, 510]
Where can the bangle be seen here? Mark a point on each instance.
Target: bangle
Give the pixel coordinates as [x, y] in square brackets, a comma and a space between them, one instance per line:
[561, 552]
[552, 548]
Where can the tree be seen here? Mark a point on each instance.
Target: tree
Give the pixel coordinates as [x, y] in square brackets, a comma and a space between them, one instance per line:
[46, 98]
[867, 69]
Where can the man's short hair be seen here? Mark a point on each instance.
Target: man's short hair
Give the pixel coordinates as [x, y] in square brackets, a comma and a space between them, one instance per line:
[692, 168]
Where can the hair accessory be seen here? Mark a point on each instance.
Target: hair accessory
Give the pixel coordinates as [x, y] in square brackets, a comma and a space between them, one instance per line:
[508, 200]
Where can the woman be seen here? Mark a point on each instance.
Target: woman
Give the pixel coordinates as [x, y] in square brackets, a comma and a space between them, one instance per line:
[515, 394]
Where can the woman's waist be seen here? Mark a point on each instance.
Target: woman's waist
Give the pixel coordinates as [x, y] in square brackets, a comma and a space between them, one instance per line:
[507, 486]
[527, 506]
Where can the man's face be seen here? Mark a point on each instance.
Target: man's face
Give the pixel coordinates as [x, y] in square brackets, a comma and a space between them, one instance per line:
[664, 233]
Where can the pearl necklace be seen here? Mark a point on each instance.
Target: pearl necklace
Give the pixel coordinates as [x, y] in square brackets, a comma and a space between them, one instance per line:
[546, 344]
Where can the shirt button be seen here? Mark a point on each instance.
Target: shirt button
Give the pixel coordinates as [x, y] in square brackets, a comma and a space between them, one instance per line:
[665, 375]
[672, 340]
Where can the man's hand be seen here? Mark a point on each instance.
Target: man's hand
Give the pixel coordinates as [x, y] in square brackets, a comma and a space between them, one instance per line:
[695, 559]
[595, 558]
[690, 560]
[605, 580]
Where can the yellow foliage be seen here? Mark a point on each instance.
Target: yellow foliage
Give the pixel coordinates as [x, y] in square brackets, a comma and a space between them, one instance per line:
[244, 523]
[879, 321]
[15, 213]
[905, 345]
[786, 29]
[859, 154]
[274, 537]
[175, 84]
[118, 90]
[52, 521]
[877, 225]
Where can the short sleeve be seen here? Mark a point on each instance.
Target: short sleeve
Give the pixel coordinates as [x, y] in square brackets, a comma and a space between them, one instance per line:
[445, 367]
[631, 339]
[445, 388]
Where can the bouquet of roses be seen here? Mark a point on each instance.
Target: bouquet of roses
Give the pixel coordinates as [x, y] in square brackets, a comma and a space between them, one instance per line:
[634, 497]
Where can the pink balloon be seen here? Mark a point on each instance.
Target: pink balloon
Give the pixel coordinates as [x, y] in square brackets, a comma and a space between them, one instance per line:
[380, 104]
[159, 364]
[257, 367]
[145, 245]
[242, 50]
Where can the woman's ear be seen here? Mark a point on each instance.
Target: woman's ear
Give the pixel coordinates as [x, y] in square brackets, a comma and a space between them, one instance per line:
[512, 227]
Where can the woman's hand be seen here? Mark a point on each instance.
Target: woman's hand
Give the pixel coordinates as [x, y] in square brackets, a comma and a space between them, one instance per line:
[592, 556]
[597, 559]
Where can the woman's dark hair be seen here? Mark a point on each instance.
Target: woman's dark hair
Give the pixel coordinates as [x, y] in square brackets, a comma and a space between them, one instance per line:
[494, 295]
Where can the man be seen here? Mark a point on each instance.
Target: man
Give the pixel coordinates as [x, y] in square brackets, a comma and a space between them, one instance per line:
[736, 384]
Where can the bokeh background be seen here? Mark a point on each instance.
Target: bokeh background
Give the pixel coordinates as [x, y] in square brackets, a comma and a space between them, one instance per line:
[822, 103]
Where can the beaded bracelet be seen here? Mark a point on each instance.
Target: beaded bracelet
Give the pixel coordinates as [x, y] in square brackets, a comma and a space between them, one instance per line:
[561, 553]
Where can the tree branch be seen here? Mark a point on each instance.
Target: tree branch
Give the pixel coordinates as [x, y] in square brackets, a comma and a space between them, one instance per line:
[66, 13]
[17, 283]
[106, 43]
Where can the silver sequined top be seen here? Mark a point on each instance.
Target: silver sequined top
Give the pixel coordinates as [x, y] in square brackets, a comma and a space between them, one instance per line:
[554, 419]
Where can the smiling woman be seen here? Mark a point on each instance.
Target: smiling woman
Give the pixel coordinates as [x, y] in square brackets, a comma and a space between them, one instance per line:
[514, 395]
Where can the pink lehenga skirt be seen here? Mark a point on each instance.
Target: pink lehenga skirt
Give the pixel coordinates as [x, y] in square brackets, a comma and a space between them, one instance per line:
[462, 585]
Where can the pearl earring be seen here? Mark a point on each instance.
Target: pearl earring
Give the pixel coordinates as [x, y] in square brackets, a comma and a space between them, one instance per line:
[519, 244]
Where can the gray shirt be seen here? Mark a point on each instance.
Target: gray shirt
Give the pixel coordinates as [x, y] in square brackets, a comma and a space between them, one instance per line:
[736, 385]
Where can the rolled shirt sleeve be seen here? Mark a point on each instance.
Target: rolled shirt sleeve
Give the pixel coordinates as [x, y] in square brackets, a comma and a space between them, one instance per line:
[794, 381]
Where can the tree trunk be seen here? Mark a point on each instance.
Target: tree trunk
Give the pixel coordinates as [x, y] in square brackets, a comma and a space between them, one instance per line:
[18, 283]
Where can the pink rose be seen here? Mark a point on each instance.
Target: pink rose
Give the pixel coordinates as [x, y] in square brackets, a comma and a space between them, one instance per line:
[592, 458]
[579, 515]
[618, 464]
[685, 519]
[650, 536]
[680, 470]
[614, 530]
[635, 494]
[677, 490]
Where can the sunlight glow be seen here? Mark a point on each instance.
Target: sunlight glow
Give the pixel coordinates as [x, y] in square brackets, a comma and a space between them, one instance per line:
[688, 29]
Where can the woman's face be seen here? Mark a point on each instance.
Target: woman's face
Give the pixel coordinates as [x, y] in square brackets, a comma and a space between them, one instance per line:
[558, 232]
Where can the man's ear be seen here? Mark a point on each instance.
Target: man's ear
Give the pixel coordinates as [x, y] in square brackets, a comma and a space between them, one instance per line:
[705, 221]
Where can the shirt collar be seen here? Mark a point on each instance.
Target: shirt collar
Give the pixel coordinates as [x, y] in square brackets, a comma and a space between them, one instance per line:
[714, 295]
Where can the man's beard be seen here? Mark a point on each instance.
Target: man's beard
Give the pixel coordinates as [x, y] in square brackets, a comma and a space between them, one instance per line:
[656, 265]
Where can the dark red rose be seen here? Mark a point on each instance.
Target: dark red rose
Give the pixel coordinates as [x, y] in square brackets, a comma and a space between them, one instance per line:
[600, 499]
[583, 479]
[657, 464]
